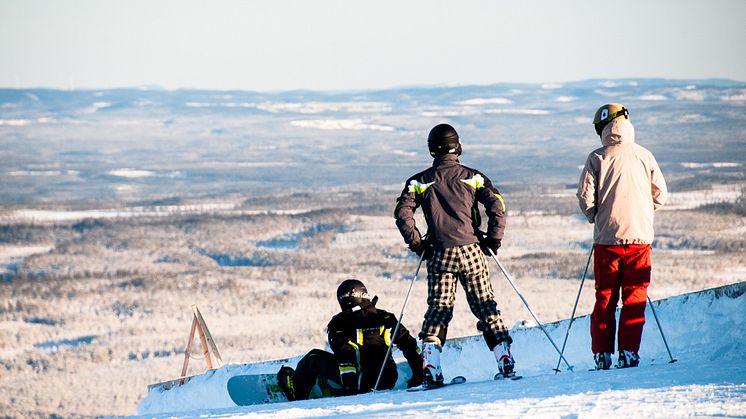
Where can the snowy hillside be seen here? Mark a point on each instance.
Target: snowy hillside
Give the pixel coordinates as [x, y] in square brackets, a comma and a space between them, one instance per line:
[706, 332]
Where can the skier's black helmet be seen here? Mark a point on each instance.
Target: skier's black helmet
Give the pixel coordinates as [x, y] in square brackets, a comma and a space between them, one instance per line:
[350, 293]
[443, 139]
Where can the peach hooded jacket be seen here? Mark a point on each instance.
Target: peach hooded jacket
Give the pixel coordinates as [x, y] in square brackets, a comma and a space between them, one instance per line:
[620, 188]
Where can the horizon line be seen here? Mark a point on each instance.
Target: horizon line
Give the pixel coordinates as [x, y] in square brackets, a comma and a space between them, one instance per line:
[548, 84]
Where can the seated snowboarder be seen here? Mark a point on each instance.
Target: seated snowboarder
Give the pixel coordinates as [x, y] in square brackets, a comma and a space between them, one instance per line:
[359, 336]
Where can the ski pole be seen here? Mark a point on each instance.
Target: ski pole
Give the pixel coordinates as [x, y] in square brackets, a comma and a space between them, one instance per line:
[398, 322]
[661, 330]
[572, 316]
[525, 303]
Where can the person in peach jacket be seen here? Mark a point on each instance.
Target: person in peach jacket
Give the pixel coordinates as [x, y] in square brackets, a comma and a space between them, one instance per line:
[620, 188]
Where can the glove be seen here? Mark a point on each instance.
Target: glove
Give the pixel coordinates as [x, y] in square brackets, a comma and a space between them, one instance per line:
[417, 378]
[418, 247]
[488, 244]
[422, 248]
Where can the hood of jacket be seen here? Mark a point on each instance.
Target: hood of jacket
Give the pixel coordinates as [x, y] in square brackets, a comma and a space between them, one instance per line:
[620, 188]
[618, 131]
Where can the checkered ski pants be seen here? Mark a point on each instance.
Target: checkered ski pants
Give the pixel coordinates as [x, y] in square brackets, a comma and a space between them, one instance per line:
[466, 264]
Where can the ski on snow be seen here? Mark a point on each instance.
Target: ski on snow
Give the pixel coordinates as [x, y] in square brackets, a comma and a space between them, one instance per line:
[512, 377]
[455, 380]
[460, 380]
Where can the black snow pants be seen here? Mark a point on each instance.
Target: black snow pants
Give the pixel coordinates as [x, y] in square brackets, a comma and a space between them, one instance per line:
[317, 366]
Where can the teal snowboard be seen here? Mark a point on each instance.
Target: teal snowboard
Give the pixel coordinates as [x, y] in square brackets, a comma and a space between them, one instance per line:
[251, 389]
[259, 389]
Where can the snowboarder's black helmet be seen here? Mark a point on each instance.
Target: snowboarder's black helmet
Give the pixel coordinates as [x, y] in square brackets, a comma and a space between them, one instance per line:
[608, 113]
[443, 139]
[350, 293]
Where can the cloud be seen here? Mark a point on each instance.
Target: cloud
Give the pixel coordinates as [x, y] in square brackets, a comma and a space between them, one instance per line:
[340, 124]
[130, 173]
[741, 97]
[485, 101]
[653, 98]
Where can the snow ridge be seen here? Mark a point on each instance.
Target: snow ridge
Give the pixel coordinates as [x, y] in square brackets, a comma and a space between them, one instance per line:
[706, 331]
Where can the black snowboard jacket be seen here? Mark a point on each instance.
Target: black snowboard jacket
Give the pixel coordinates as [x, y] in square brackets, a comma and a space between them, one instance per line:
[449, 194]
[359, 338]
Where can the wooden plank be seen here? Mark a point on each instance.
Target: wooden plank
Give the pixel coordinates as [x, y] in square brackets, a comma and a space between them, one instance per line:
[168, 385]
[188, 351]
[211, 343]
[201, 326]
[212, 346]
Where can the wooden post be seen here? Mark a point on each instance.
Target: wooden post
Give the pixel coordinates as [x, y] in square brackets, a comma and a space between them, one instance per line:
[188, 351]
[209, 348]
[207, 340]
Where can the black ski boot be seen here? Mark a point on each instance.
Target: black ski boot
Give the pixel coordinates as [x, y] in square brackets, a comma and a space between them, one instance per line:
[603, 360]
[506, 367]
[431, 381]
[628, 359]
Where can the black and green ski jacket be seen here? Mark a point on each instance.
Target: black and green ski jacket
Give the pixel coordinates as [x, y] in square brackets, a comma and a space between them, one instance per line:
[360, 338]
[449, 194]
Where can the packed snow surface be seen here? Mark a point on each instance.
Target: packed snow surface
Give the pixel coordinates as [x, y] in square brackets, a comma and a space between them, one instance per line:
[706, 332]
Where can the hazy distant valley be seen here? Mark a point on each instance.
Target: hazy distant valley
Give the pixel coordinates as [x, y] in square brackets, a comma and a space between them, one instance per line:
[121, 208]
[136, 147]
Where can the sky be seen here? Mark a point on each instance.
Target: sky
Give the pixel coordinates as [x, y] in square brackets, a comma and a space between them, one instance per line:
[270, 45]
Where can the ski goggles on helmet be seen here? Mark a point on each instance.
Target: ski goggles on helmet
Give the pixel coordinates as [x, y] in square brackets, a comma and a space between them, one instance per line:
[601, 124]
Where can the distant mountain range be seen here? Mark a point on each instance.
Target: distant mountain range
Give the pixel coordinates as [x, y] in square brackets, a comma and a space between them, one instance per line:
[131, 144]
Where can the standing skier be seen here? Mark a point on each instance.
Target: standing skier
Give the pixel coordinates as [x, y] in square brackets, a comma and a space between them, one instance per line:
[359, 336]
[454, 247]
[620, 188]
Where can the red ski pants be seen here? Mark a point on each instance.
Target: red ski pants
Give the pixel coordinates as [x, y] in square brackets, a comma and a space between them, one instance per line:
[625, 268]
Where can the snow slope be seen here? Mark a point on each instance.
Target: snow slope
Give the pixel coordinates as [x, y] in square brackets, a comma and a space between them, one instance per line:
[706, 332]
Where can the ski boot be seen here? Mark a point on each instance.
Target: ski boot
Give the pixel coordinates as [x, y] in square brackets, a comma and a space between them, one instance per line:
[628, 359]
[603, 360]
[286, 382]
[505, 362]
[433, 375]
